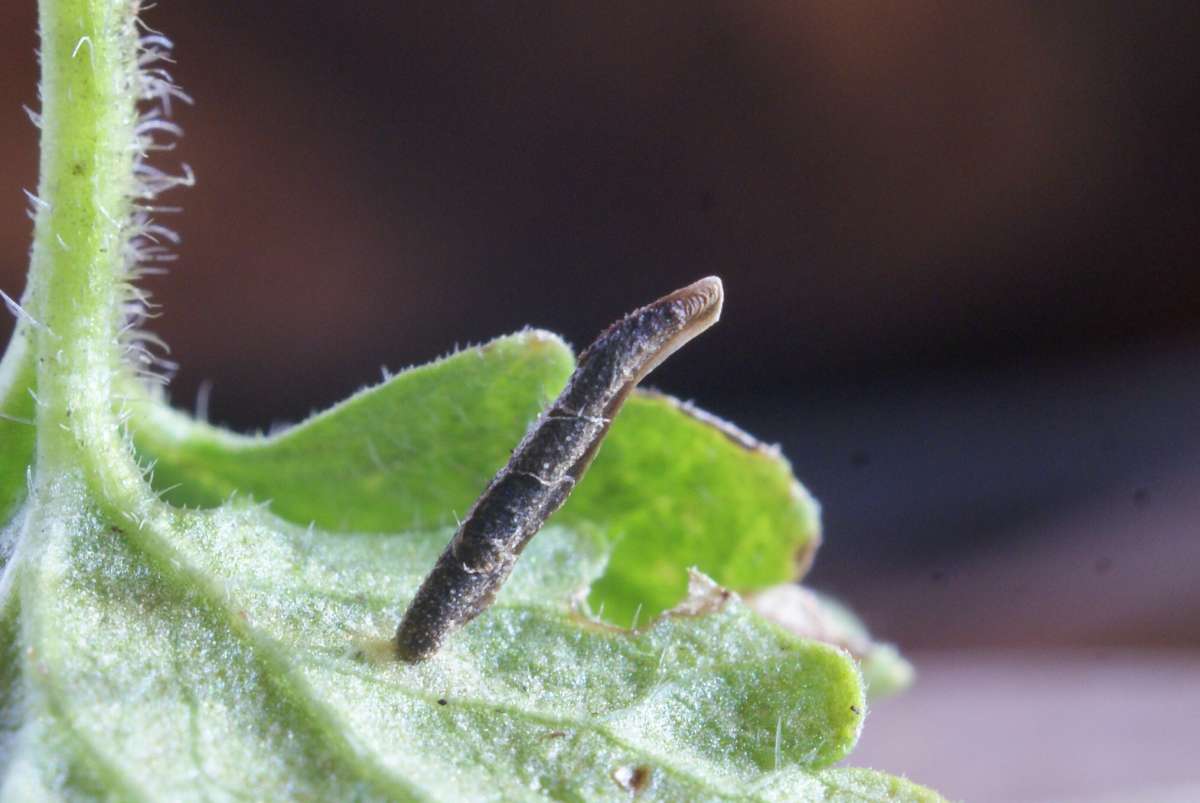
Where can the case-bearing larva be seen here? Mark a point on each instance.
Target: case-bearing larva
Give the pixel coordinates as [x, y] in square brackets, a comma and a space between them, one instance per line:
[545, 466]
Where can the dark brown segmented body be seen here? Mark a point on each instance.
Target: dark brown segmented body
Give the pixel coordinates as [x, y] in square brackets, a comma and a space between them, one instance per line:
[545, 466]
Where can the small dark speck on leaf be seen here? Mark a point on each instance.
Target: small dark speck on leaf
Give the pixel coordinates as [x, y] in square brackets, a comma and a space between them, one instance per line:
[855, 709]
[633, 779]
[1141, 498]
[442, 701]
[1103, 565]
[860, 458]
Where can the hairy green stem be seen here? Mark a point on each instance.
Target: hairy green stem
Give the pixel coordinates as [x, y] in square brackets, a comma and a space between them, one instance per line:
[90, 88]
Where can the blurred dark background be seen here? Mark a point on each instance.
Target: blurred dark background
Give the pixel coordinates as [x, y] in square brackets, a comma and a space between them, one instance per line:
[959, 244]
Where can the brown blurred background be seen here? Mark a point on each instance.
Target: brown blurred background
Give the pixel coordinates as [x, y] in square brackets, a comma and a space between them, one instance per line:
[959, 243]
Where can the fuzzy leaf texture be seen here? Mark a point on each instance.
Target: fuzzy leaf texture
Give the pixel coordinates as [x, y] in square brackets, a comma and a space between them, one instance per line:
[670, 488]
[230, 637]
[255, 626]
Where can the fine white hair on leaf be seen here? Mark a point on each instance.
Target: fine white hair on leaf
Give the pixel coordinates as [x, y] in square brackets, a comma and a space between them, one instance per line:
[778, 741]
[155, 38]
[373, 455]
[79, 45]
[203, 397]
[108, 216]
[147, 145]
[147, 244]
[153, 182]
[19, 312]
[153, 231]
[36, 201]
[153, 54]
[152, 339]
[145, 26]
[156, 123]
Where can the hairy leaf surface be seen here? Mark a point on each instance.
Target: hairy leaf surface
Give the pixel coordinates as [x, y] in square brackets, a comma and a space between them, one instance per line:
[206, 651]
[192, 652]
[810, 614]
[671, 488]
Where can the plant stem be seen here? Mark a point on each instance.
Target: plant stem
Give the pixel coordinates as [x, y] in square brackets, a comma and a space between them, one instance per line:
[90, 83]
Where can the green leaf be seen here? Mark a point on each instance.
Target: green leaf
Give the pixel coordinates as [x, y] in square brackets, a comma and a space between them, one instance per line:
[676, 487]
[410, 453]
[813, 615]
[854, 785]
[210, 651]
[17, 431]
[671, 488]
[842, 785]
